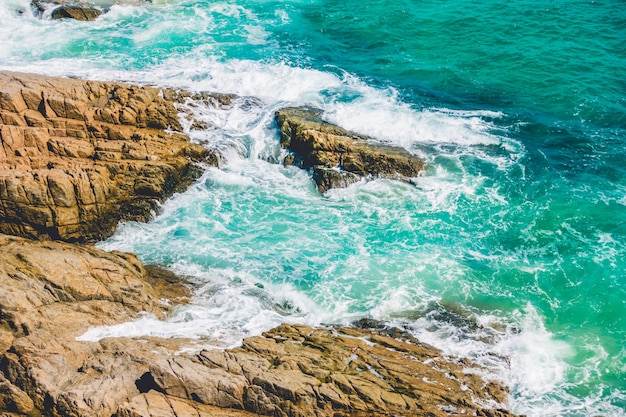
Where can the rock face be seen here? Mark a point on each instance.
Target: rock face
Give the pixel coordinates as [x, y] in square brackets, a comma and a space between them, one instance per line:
[76, 156]
[51, 292]
[338, 157]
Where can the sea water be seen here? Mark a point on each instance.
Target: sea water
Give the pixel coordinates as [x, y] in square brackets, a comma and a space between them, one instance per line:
[510, 249]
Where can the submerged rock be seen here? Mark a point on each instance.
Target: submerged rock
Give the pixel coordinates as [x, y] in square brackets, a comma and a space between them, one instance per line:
[76, 157]
[337, 156]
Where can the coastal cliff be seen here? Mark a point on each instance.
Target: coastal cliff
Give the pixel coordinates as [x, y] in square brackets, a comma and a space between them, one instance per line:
[77, 157]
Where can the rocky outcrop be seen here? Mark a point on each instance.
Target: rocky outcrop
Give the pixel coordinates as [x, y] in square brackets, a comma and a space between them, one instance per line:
[51, 292]
[76, 157]
[338, 157]
[302, 371]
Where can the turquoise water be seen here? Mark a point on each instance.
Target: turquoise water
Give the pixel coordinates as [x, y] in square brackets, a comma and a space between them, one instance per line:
[510, 249]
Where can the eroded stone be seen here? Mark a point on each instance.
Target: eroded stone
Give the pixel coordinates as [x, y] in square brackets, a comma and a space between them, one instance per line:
[87, 155]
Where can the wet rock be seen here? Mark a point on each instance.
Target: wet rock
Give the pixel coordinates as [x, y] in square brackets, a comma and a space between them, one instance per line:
[327, 178]
[84, 10]
[76, 13]
[339, 157]
[76, 157]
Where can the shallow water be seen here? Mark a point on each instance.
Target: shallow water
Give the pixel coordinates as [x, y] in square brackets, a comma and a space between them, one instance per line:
[511, 245]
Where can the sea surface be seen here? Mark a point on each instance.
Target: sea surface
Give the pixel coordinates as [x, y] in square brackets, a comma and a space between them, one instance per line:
[510, 249]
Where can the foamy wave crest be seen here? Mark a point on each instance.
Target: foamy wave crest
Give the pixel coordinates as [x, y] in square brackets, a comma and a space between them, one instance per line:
[227, 307]
[518, 351]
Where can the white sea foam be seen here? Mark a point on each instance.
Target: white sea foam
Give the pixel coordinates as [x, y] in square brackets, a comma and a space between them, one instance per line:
[518, 351]
[398, 259]
[228, 306]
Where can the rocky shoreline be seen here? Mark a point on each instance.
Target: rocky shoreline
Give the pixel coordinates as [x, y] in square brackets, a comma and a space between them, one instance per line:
[76, 157]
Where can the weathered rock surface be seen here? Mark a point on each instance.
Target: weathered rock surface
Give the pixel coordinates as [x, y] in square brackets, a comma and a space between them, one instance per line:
[336, 156]
[51, 292]
[76, 157]
[303, 371]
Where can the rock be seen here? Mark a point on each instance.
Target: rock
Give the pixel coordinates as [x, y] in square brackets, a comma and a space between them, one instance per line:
[303, 371]
[327, 178]
[156, 404]
[85, 10]
[76, 157]
[76, 13]
[14, 399]
[52, 292]
[339, 157]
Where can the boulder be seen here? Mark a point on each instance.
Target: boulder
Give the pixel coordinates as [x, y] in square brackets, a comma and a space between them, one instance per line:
[76, 157]
[76, 13]
[338, 157]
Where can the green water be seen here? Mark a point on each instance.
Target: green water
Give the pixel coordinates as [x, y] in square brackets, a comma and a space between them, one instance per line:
[512, 244]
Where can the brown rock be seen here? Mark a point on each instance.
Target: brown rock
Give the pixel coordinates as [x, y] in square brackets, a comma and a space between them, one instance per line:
[327, 178]
[156, 404]
[339, 157]
[51, 292]
[303, 371]
[76, 157]
[85, 10]
[14, 399]
[76, 13]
